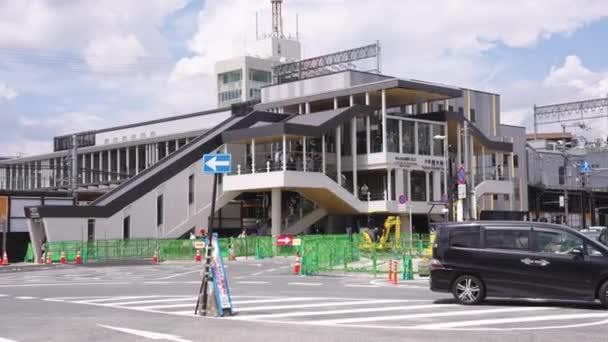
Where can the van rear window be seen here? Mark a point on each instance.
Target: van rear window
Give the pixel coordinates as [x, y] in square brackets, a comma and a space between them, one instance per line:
[467, 237]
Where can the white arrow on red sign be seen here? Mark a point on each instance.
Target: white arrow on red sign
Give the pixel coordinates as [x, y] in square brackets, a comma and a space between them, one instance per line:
[285, 240]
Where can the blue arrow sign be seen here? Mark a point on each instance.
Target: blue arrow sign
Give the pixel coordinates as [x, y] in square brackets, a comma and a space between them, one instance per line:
[585, 167]
[217, 163]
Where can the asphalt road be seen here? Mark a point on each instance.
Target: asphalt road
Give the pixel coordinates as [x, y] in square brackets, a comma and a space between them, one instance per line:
[156, 302]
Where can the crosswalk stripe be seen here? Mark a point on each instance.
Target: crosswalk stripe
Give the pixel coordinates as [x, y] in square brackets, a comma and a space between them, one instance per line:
[156, 301]
[508, 320]
[337, 312]
[300, 306]
[168, 306]
[109, 299]
[278, 300]
[428, 315]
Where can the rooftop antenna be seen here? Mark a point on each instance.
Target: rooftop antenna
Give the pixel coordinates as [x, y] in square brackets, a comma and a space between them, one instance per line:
[257, 37]
[297, 28]
[277, 18]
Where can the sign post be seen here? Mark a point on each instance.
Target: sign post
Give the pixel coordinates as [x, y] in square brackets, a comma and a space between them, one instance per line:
[462, 192]
[213, 164]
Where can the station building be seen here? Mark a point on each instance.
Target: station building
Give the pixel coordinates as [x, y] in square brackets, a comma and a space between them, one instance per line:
[315, 148]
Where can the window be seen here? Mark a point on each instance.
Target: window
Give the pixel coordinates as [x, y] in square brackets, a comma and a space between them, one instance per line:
[259, 75]
[555, 242]
[418, 185]
[507, 239]
[230, 76]
[495, 197]
[450, 108]
[592, 251]
[604, 237]
[408, 136]
[90, 229]
[392, 135]
[159, 210]
[424, 138]
[465, 237]
[438, 130]
[472, 115]
[439, 107]
[515, 161]
[191, 189]
[505, 159]
[506, 197]
[461, 110]
[126, 228]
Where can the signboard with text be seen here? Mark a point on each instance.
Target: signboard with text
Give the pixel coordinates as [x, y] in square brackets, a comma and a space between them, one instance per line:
[462, 191]
[285, 240]
[220, 281]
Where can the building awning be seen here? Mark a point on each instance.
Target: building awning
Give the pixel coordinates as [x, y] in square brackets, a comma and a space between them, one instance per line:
[310, 125]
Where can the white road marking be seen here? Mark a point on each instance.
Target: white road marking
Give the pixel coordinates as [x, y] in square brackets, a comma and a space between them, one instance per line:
[359, 285]
[147, 334]
[109, 299]
[168, 306]
[337, 312]
[258, 273]
[428, 315]
[2, 339]
[252, 282]
[306, 284]
[449, 325]
[177, 275]
[318, 305]
[278, 300]
[3, 295]
[26, 297]
[155, 301]
[68, 284]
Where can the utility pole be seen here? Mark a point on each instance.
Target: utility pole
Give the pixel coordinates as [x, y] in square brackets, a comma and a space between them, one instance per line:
[74, 170]
[565, 157]
[467, 166]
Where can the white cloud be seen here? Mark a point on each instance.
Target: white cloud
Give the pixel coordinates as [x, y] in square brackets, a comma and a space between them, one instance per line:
[64, 123]
[574, 75]
[112, 53]
[6, 93]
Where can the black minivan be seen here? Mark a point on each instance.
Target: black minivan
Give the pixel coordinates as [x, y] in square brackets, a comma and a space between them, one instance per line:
[518, 259]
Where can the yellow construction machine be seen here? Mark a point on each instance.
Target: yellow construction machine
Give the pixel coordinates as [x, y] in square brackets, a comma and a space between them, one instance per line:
[391, 223]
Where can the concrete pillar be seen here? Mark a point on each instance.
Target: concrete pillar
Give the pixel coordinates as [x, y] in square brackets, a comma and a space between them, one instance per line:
[483, 162]
[307, 108]
[136, 159]
[252, 155]
[338, 148]
[118, 176]
[368, 131]
[384, 147]
[300, 111]
[304, 154]
[166, 148]
[276, 212]
[436, 195]
[284, 153]
[409, 184]
[109, 165]
[353, 148]
[428, 192]
[458, 145]
[92, 168]
[416, 137]
[128, 162]
[389, 185]
[323, 153]
[100, 169]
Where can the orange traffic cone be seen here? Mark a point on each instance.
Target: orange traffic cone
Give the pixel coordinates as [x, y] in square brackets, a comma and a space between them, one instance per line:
[197, 258]
[390, 271]
[296, 267]
[48, 257]
[62, 260]
[155, 258]
[4, 259]
[395, 268]
[78, 257]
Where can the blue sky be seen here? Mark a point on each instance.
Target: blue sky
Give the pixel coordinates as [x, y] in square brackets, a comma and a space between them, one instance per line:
[75, 65]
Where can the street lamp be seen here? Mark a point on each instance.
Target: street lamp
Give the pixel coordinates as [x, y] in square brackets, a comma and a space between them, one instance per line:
[444, 138]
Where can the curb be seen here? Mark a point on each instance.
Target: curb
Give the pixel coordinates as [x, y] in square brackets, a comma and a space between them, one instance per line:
[32, 268]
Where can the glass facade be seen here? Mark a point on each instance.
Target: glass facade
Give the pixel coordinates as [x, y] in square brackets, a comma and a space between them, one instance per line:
[392, 135]
[230, 76]
[376, 132]
[408, 144]
[346, 140]
[424, 138]
[438, 131]
[361, 136]
[259, 75]
[418, 184]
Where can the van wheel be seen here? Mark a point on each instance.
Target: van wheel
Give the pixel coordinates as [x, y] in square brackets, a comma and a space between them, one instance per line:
[603, 294]
[468, 290]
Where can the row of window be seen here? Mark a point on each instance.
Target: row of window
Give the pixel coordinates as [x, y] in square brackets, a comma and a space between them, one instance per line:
[229, 95]
[255, 75]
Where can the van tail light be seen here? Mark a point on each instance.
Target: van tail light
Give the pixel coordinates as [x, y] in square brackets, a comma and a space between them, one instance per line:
[436, 264]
